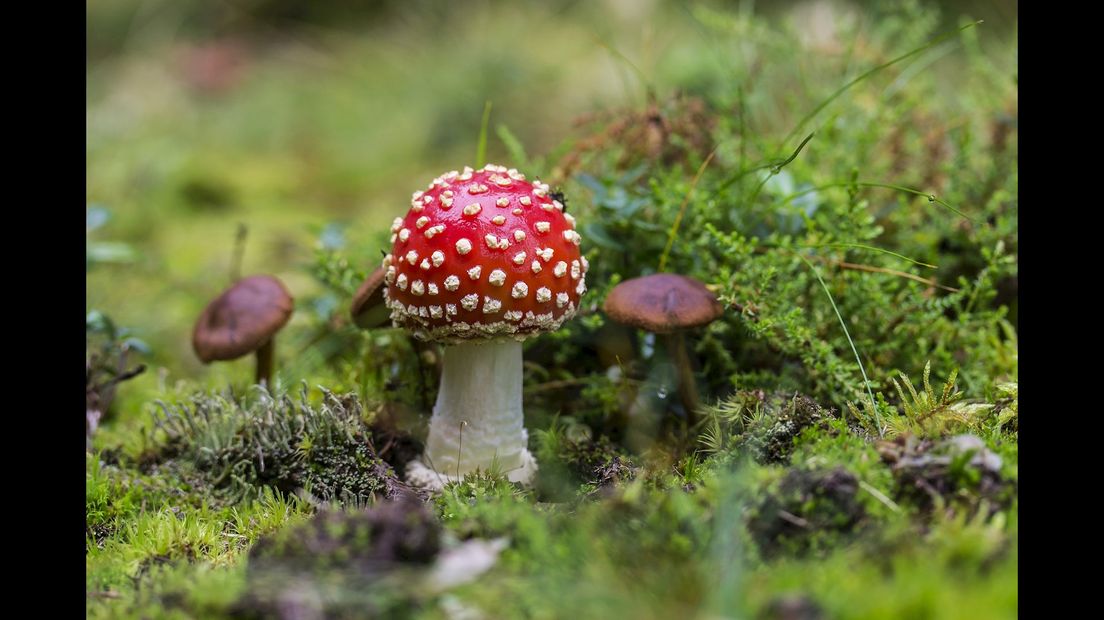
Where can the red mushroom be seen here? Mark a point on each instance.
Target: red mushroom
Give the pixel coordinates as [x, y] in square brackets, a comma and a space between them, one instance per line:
[483, 260]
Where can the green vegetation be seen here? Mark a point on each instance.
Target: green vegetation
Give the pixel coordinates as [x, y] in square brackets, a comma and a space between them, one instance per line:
[856, 455]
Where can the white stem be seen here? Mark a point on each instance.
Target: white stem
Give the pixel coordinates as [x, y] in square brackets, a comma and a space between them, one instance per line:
[478, 418]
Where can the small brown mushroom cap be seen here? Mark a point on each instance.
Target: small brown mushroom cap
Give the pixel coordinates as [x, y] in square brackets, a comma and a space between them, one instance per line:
[242, 319]
[662, 303]
[369, 308]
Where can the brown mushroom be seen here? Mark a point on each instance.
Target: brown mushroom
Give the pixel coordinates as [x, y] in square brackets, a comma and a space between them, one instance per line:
[667, 304]
[244, 319]
[369, 308]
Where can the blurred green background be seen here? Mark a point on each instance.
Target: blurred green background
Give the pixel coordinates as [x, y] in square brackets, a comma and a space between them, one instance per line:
[311, 123]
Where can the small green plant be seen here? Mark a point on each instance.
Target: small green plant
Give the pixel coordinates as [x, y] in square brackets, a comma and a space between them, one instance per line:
[928, 414]
[760, 425]
[108, 351]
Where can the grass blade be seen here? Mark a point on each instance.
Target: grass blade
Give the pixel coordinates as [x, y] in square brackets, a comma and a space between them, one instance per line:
[908, 190]
[851, 342]
[481, 149]
[778, 168]
[774, 166]
[514, 147]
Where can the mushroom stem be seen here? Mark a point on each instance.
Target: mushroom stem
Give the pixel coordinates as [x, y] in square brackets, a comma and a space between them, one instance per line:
[687, 387]
[478, 417]
[265, 356]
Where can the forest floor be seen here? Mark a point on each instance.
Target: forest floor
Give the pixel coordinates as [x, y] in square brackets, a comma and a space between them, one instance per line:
[849, 197]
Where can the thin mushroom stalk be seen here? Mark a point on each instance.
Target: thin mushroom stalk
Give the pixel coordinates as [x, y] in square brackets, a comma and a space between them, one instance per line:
[687, 386]
[266, 356]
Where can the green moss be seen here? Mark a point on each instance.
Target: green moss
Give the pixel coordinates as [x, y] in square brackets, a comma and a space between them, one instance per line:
[807, 512]
[239, 445]
[348, 564]
[571, 460]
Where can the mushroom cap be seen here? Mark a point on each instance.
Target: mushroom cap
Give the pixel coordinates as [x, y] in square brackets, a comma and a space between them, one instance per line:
[369, 308]
[242, 319]
[662, 303]
[483, 254]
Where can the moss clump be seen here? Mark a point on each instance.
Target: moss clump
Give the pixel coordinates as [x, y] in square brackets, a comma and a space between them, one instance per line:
[236, 446]
[571, 459]
[807, 511]
[763, 425]
[342, 564]
[773, 440]
[349, 471]
[598, 462]
[959, 473]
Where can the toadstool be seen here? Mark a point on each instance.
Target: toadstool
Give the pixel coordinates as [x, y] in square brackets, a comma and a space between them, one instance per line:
[668, 304]
[483, 260]
[244, 319]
